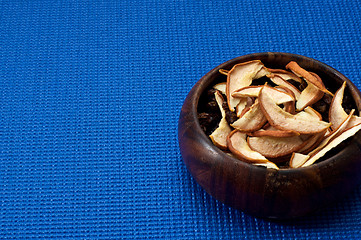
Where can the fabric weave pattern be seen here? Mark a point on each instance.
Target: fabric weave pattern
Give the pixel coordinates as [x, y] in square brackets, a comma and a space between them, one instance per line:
[91, 93]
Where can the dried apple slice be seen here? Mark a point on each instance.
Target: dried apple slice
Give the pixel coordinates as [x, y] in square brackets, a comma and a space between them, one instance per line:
[298, 159]
[268, 164]
[249, 91]
[317, 77]
[286, 90]
[237, 144]
[289, 106]
[243, 106]
[310, 95]
[313, 141]
[336, 113]
[272, 132]
[333, 143]
[241, 75]
[334, 133]
[219, 136]
[281, 82]
[309, 77]
[280, 97]
[241, 113]
[313, 112]
[262, 72]
[252, 120]
[221, 87]
[286, 75]
[283, 120]
[309, 112]
[275, 147]
[223, 71]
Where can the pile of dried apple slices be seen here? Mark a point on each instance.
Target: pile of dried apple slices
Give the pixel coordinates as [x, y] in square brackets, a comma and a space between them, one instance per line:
[278, 123]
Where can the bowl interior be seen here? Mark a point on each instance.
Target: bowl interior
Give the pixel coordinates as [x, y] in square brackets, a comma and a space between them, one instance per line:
[331, 78]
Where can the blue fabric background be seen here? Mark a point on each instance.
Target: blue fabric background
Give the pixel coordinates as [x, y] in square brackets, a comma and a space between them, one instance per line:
[90, 96]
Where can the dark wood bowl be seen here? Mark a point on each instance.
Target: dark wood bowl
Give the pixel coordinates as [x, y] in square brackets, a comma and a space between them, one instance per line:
[268, 193]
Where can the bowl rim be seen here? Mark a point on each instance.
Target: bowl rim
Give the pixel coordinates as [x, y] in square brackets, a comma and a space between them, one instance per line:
[199, 89]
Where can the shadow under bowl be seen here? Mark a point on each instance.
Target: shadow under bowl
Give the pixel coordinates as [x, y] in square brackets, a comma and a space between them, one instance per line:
[258, 191]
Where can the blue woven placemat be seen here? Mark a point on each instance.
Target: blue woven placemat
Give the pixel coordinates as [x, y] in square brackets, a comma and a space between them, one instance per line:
[90, 96]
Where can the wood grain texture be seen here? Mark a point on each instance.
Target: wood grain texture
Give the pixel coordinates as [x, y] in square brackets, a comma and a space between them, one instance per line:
[268, 193]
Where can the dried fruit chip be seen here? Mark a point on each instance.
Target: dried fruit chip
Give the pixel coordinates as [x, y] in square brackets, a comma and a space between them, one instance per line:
[241, 75]
[237, 144]
[267, 165]
[249, 91]
[283, 120]
[286, 75]
[298, 159]
[289, 106]
[219, 136]
[243, 106]
[309, 77]
[313, 141]
[223, 71]
[252, 120]
[262, 72]
[336, 113]
[334, 133]
[272, 132]
[309, 112]
[313, 112]
[275, 147]
[310, 95]
[221, 87]
[283, 83]
[333, 143]
[253, 91]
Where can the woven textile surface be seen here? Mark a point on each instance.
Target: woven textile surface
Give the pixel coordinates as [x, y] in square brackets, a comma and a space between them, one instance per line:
[91, 93]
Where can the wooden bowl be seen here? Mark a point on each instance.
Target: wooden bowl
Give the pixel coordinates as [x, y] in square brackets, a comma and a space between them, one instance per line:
[268, 193]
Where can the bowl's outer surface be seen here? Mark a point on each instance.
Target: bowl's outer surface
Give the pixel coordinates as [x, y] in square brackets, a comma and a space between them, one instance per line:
[283, 194]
